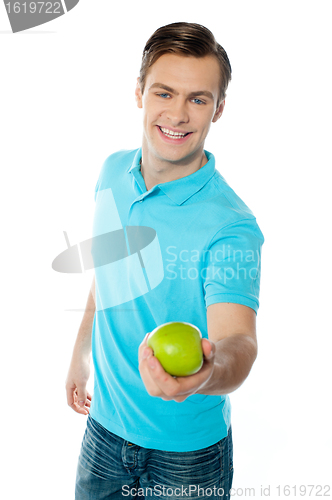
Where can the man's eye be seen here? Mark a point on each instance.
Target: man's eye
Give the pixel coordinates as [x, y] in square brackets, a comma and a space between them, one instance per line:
[163, 95]
[198, 101]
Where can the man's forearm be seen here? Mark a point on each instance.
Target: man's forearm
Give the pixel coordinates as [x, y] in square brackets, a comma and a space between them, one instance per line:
[83, 340]
[234, 358]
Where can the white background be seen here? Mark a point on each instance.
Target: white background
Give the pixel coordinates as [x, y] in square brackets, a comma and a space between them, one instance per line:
[67, 102]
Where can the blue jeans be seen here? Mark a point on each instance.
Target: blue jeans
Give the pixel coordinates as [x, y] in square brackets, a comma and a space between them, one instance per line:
[111, 468]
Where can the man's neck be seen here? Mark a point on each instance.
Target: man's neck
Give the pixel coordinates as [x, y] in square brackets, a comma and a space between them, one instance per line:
[155, 171]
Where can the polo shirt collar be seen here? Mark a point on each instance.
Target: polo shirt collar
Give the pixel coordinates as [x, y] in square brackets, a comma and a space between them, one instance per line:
[182, 189]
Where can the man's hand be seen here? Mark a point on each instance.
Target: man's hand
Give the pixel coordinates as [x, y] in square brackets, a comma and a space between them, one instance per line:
[159, 383]
[78, 398]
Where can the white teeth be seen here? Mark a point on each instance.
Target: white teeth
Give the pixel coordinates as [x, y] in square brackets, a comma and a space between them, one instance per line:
[174, 135]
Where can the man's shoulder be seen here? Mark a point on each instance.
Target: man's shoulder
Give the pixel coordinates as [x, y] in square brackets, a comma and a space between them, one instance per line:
[228, 212]
[113, 168]
[123, 157]
[226, 198]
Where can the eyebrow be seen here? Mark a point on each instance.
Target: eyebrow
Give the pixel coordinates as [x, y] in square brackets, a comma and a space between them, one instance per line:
[192, 94]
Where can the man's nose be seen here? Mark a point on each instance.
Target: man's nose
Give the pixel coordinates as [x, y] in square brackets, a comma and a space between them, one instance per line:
[177, 112]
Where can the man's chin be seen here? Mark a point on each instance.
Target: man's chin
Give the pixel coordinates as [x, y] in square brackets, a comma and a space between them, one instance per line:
[177, 157]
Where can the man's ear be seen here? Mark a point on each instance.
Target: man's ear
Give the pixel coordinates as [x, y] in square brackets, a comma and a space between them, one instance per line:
[138, 94]
[219, 111]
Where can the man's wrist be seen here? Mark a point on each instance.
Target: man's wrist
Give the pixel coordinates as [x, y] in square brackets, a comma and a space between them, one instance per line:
[212, 387]
[234, 358]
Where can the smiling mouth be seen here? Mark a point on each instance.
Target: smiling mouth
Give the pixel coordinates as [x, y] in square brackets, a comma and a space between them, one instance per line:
[173, 135]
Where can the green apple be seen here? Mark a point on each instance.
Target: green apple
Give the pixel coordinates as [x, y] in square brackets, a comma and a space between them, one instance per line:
[177, 346]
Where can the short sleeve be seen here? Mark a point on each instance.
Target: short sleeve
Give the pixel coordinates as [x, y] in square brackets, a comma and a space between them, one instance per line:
[233, 265]
[101, 177]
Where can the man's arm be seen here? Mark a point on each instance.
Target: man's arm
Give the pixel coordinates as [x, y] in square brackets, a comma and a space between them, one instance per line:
[83, 340]
[232, 328]
[78, 397]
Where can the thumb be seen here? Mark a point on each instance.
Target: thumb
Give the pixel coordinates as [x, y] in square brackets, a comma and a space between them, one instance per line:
[209, 348]
[81, 395]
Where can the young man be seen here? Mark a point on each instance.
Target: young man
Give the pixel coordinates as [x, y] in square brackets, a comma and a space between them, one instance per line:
[187, 249]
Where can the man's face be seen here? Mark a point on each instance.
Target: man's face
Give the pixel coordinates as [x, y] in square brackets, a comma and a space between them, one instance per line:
[179, 103]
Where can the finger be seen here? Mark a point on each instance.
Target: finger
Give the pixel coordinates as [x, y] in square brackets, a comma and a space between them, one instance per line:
[81, 395]
[85, 407]
[70, 393]
[143, 344]
[83, 411]
[148, 381]
[209, 349]
[189, 385]
[146, 352]
[167, 384]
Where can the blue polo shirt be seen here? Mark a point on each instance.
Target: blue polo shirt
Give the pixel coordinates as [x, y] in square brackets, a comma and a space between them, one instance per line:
[164, 255]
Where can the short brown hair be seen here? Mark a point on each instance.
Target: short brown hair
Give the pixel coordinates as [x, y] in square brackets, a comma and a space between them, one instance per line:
[188, 39]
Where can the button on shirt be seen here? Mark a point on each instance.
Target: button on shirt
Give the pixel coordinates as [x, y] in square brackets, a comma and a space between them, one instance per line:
[192, 243]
